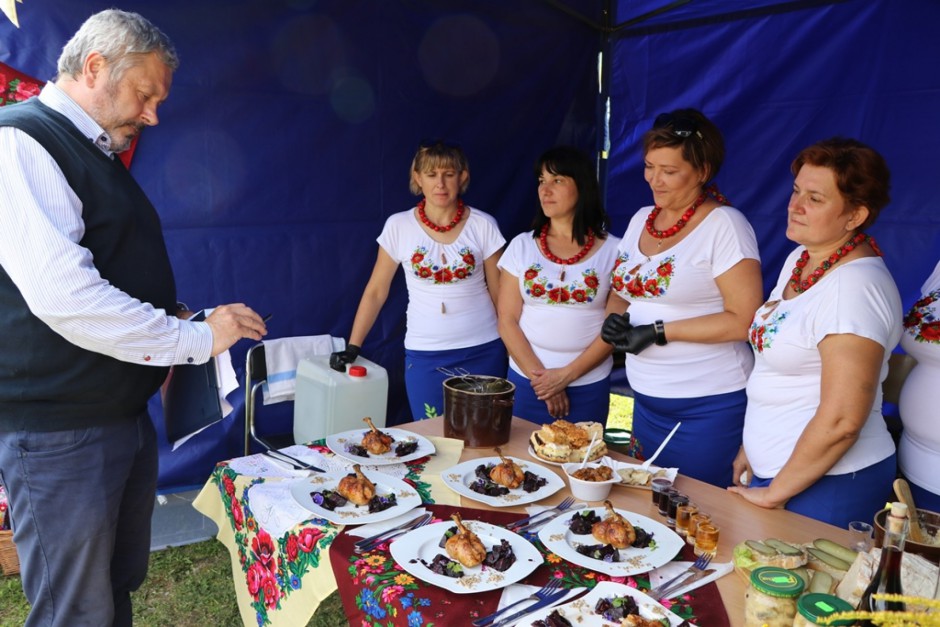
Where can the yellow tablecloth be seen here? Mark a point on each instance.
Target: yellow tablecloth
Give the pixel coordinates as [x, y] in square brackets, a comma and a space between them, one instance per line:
[280, 581]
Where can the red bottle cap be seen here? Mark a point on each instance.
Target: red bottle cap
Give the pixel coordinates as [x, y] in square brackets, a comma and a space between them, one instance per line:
[356, 371]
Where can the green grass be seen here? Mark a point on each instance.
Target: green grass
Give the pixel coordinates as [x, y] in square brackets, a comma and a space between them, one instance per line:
[621, 412]
[186, 585]
[192, 584]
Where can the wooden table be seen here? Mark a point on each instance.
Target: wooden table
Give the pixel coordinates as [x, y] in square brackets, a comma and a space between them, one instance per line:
[737, 519]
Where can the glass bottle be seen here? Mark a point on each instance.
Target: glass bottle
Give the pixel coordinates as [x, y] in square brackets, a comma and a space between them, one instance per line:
[887, 577]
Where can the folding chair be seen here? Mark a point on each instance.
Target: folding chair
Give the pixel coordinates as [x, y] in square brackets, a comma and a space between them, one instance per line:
[256, 375]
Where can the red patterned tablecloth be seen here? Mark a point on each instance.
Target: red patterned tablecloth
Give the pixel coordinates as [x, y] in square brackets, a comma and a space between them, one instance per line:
[376, 592]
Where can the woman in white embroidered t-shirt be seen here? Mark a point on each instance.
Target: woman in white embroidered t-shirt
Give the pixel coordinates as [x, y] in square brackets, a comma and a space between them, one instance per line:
[919, 449]
[689, 271]
[815, 441]
[554, 294]
[449, 253]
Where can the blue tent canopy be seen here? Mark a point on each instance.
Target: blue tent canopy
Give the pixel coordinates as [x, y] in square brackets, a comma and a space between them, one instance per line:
[291, 125]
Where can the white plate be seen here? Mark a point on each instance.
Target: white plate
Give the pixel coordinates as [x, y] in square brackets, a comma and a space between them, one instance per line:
[337, 444]
[581, 611]
[350, 514]
[535, 455]
[669, 473]
[458, 478]
[558, 539]
[422, 544]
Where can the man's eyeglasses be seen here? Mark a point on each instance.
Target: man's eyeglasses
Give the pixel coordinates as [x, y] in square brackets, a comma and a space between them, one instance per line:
[680, 126]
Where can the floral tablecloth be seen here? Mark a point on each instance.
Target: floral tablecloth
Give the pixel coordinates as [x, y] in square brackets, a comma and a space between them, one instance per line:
[282, 577]
[377, 592]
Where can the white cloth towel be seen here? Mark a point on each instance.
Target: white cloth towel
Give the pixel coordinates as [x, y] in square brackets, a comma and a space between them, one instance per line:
[281, 357]
[272, 503]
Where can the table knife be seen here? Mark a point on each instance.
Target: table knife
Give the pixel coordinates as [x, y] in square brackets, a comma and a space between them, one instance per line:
[668, 592]
[549, 600]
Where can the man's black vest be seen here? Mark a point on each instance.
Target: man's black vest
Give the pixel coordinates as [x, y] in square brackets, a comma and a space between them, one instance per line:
[46, 382]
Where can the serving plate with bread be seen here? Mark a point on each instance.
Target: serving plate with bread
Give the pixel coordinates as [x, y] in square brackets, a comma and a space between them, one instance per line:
[562, 442]
[635, 476]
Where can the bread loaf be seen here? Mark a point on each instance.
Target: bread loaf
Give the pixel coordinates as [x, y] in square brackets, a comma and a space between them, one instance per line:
[918, 577]
[562, 441]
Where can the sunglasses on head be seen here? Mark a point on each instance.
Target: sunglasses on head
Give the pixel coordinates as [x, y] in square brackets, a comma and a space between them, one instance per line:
[680, 126]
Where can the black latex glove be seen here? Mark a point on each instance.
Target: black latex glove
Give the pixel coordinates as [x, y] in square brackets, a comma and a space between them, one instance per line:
[637, 339]
[614, 330]
[339, 360]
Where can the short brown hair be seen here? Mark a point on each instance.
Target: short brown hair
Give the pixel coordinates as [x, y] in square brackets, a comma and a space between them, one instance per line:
[438, 154]
[862, 175]
[702, 143]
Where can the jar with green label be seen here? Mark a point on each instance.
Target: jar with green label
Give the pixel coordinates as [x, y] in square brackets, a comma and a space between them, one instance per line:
[812, 608]
[770, 600]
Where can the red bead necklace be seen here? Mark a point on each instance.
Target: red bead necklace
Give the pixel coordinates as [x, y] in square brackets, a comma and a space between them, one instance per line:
[801, 285]
[543, 242]
[434, 227]
[678, 226]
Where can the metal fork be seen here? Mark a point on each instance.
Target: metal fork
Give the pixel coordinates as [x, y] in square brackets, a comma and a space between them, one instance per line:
[526, 522]
[700, 564]
[538, 595]
[365, 548]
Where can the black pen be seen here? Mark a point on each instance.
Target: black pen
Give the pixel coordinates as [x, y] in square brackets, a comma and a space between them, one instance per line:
[267, 317]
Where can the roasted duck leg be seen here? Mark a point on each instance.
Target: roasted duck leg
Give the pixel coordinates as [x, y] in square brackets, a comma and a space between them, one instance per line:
[507, 473]
[356, 487]
[614, 530]
[375, 441]
[465, 546]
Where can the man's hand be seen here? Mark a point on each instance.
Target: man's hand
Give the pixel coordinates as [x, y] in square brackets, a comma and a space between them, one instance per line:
[230, 323]
[339, 360]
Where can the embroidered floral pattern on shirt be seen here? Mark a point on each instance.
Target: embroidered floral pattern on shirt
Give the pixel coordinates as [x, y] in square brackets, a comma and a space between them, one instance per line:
[578, 291]
[637, 284]
[922, 322]
[762, 334]
[459, 269]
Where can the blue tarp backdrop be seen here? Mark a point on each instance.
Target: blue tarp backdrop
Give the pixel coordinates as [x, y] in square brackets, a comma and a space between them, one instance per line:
[290, 128]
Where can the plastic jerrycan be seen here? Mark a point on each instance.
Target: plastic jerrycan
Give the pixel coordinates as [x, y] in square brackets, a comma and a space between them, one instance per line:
[327, 401]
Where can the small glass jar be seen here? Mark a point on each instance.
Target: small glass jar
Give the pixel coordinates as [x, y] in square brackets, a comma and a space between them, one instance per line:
[674, 502]
[770, 599]
[812, 608]
[664, 497]
[706, 539]
[659, 485]
[684, 517]
[694, 522]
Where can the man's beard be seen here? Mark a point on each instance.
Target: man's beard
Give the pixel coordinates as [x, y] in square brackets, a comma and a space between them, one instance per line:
[123, 142]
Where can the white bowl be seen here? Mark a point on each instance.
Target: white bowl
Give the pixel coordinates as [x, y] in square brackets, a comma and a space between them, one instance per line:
[589, 490]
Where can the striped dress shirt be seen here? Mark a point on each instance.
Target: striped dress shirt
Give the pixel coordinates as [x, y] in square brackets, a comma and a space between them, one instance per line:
[41, 228]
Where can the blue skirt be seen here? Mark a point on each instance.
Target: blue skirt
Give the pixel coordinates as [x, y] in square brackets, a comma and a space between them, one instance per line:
[425, 383]
[840, 499]
[705, 445]
[589, 402]
[924, 498]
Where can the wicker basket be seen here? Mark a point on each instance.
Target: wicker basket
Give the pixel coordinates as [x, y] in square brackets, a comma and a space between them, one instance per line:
[9, 561]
